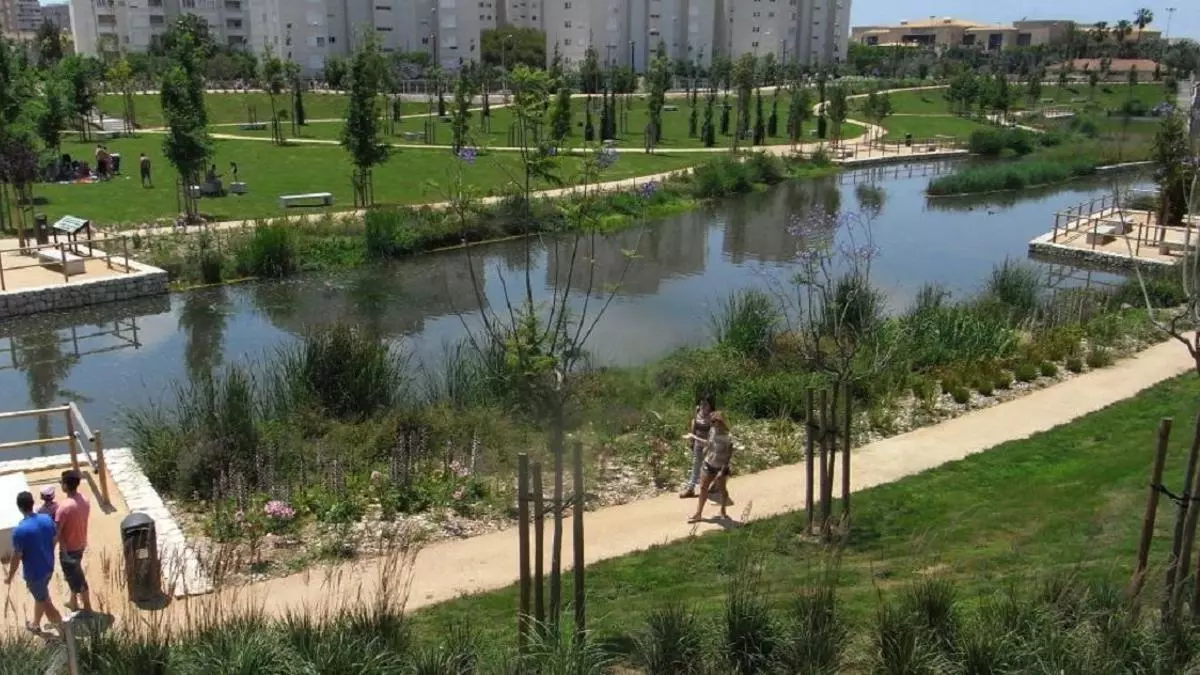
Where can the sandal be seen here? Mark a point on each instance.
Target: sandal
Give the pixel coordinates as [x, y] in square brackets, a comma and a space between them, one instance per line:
[33, 628]
[694, 519]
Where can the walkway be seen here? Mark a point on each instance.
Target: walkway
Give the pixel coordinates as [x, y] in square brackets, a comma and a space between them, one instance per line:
[449, 569]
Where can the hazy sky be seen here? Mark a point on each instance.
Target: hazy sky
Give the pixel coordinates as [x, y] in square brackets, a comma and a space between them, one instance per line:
[1186, 22]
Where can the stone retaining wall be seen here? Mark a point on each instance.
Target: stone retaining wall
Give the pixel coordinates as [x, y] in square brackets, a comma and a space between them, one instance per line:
[142, 282]
[1045, 250]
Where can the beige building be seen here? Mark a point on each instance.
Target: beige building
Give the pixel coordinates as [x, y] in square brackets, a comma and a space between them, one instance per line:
[20, 16]
[949, 32]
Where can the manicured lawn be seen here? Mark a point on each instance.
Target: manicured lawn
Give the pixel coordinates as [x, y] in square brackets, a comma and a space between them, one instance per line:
[271, 171]
[930, 126]
[918, 102]
[231, 108]
[1108, 95]
[1068, 500]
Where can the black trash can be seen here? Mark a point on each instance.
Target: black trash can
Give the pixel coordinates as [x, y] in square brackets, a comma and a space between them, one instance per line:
[116, 162]
[908, 140]
[41, 229]
[143, 574]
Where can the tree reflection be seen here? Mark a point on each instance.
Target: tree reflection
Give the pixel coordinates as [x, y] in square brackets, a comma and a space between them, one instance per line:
[203, 318]
[40, 358]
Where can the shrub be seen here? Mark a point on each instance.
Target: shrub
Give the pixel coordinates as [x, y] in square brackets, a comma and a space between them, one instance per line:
[1003, 380]
[673, 642]
[722, 177]
[1048, 369]
[1013, 291]
[1099, 357]
[766, 169]
[1014, 175]
[960, 395]
[816, 633]
[900, 644]
[985, 387]
[749, 637]
[1074, 364]
[747, 323]
[769, 396]
[1025, 372]
[269, 252]
[993, 142]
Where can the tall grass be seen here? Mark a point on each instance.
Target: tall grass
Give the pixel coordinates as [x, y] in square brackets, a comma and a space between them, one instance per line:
[673, 643]
[1015, 175]
[1014, 291]
[746, 323]
[269, 252]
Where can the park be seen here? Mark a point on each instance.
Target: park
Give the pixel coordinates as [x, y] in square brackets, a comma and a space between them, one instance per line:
[401, 381]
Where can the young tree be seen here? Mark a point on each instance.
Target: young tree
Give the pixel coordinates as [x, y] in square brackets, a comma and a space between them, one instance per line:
[760, 126]
[1093, 82]
[1175, 169]
[773, 120]
[120, 73]
[273, 78]
[335, 72]
[838, 109]
[78, 74]
[798, 112]
[562, 118]
[725, 115]
[556, 69]
[589, 129]
[361, 134]
[1064, 76]
[1034, 84]
[49, 44]
[186, 145]
[708, 131]
[298, 116]
[822, 106]
[460, 118]
[659, 80]
[591, 78]
[744, 74]
[53, 117]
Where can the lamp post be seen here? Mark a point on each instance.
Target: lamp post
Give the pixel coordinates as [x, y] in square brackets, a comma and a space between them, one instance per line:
[504, 63]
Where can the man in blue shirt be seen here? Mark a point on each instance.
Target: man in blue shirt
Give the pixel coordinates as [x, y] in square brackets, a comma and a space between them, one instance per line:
[33, 549]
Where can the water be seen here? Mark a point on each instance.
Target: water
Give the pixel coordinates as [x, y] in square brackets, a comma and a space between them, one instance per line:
[129, 354]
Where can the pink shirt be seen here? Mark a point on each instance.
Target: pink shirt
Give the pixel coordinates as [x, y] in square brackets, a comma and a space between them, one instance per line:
[72, 522]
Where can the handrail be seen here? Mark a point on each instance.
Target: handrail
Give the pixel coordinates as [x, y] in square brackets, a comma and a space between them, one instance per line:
[77, 431]
[80, 423]
[31, 413]
[121, 259]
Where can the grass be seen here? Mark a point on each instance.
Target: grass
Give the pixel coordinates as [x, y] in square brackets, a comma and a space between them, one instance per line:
[1064, 501]
[232, 108]
[929, 127]
[271, 171]
[933, 101]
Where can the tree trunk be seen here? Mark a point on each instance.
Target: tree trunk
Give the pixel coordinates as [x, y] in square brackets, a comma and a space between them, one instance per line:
[556, 543]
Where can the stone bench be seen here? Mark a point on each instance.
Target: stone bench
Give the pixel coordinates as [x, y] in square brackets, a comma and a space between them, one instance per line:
[311, 199]
[1106, 232]
[73, 264]
[1169, 247]
[412, 135]
[253, 126]
[670, 108]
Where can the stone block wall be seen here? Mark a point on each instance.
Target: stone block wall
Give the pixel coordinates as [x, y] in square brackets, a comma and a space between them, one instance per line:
[1045, 250]
[142, 282]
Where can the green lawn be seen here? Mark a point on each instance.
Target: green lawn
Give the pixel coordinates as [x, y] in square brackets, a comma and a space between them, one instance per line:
[1070, 499]
[231, 108]
[928, 127]
[675, 132]
[918, 102]
[1107, 95]
[271, 171]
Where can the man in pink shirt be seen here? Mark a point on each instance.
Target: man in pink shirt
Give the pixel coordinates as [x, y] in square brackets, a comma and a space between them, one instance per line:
[72, 521]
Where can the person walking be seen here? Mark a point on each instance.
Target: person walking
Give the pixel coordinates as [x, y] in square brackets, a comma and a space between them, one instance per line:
[49, 506]
[33, 552]
[72, 522]
[718, 452]
[698, 427]
[144, 167]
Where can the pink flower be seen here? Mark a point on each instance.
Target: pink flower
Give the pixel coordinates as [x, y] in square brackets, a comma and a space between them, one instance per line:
[376, 476]
[279, 510]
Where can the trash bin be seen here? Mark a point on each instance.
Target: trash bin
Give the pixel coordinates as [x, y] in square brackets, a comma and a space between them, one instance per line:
[116, 162]
[908, 140]
[143, 575]
[41, 229]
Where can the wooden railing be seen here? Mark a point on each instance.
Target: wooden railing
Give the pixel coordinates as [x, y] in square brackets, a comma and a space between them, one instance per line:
[79, 439]
[63, 254]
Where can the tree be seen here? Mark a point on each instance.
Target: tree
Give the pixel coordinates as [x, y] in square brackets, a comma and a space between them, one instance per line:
[725, 115]
[361, 134]
[591, 78]
[659, 80]
[186, 145]
[79, 76]
[1093, 82]
[49, 44]
[335, 72]
[1121, 32]
[1131, 80]
[877, 107]
[589, 129]
[1064, 76]
[120, 73]
[823, 105]
[1142, 18]
[273, 78]
[189, 34]
[773, 120]
[511, 46]
[53, 117]
[708, 131]
[293, 75]
[838, 109]
[744, 80]
[556, 68]
[460, 119]
[562, 119]
[760, 126]
[1174, 170]
[1033, 85]
[1001, 96]
[798, 111]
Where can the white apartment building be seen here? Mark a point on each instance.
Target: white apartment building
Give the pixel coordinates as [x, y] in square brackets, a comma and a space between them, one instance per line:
[824, 32]
[109, 26]
[20, 16]
[306, 32]
[58, 14]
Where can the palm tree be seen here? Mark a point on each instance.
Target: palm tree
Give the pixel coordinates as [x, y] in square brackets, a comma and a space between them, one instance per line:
[1121, 31]
[1099, 32]
[1141, 19]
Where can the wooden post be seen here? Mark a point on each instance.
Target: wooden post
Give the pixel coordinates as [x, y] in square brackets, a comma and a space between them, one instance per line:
[824, 450]
[62, 250]
[846, 444]
[523, 548]
[578, 568]
[2, 286]
[539, 546]
[71, 442]
[1189, 524]
[125, 250]
[808, 458]
[1168, 609]
[101, 465]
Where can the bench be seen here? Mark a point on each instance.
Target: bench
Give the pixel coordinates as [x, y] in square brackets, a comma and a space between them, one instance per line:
[253, 126]
[107, 134]
[237, 188]
[1169, 247]
[317, 199]
[413, 135]
[670, 108]
[71, 263]
[1106, 233]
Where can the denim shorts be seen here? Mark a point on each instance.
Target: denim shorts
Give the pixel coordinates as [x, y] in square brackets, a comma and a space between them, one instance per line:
[39, 588]
[72, 569]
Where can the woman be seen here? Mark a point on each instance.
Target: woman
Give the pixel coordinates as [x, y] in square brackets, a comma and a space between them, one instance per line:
[699, 427]
[718, 451]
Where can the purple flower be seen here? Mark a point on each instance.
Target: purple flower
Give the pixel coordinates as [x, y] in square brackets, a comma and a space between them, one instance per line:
[649, 189]
[468, 155]
[279, 510]
[550, 151]
[606, 157]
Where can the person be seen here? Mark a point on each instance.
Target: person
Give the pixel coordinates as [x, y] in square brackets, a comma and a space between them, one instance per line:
[233, 170]
[718, 452]
[33, 551]
[49, 506]
[211, 176]
[699, 426]
[144, 166]
[72, 522]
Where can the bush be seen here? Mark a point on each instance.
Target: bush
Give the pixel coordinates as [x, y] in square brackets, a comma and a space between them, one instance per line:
[1025, 372]
[747, 323]
[816, 635]
[1013, 175]
[722, 177]
[960, 395]
[770, 396]
[993, 142]
[1003, 380]
[673, 642]
[1074, 364]
[1048, 369]
[1099, 357]
[985, 387]
[269, 252]
[341, 370]
[1013, 291]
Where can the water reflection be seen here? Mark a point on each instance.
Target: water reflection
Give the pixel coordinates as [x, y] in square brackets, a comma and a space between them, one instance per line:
[669, 276]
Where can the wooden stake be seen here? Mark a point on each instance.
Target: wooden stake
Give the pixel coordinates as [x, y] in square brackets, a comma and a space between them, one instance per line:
[577, 538]
[1143, 553]
[1189, 523]
[523, 548]
[825, 491]
[1168, 609]
[846, 443]
[808, 458]
[539, 546]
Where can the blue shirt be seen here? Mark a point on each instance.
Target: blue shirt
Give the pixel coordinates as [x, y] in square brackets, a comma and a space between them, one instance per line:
[33, 538]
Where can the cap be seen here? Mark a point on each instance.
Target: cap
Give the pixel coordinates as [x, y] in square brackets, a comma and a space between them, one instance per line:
[48, 492]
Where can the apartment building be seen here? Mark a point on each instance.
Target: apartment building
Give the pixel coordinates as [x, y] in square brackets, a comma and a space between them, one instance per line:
[109, 26]
[58, 14]
[19, 16]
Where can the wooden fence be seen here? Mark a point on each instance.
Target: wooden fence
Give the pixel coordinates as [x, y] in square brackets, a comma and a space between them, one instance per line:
[62, 255]
[79, 439]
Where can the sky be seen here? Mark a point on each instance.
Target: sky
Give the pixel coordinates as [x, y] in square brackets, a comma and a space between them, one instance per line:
[1185, 23]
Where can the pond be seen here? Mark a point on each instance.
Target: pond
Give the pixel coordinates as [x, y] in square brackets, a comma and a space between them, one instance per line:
[129, 354]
